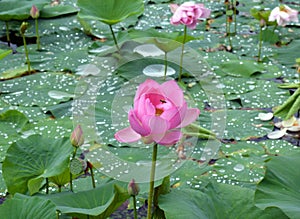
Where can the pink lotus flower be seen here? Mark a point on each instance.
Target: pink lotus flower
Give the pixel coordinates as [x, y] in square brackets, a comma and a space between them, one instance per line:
[158, 113]
[188, 14]
[283, 15]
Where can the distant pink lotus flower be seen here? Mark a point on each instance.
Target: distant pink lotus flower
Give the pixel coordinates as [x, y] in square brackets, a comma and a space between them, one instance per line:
[283, 15]
[158, 113]
[188, 14]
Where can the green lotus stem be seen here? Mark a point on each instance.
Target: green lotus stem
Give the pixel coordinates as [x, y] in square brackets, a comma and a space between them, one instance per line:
[275, 26]
[200, 135]
[152, 176]
[166, 66]
[289, 85]
[182, 51]
[59, 188]
[259, 45]
[227, 23]
[57, 214]
[234, 16]
[114, 37]
[37, 34]
[47, 185]
[7, 33]
[26, 53]
[71, 175]
[134, 207]
[93, 177]
[201, 129]
[71, 182]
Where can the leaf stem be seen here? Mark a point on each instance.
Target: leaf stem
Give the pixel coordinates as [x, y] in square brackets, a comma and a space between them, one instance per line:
[134, 207]
[93, 177]
[166, 66]
[37, 34]
[152, 176]
[234, 16]
[114, 37]
[7, 33]
[259, 45]
[182, 52]
[47, 185]
[26, 53]
[71, 175]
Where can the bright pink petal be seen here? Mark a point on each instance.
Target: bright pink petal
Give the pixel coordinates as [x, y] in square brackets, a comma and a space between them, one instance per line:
[175, 116]
[190, 116]
[158, 127]
[149, 84]
[173, 7]
[205, 13]
[170, 138]
[127, 135]
[193, 25]
[143, 106]
[176, 17]
[173, 92]
[137, 125]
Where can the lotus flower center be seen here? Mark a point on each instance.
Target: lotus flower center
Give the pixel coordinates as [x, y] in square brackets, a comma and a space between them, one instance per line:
[163, 106]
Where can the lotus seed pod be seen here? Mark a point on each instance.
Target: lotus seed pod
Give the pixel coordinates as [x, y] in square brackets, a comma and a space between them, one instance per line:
[23, 27]
[77, 166]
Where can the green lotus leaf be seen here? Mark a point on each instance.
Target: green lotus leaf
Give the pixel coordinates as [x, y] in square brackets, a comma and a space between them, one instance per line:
[56, 11]
[28, 207]
[109, 11]
[280, 187]
[289, 107]
[4, 53]
[101, 201]
[18, 10]
[216, 201]
[29, 161]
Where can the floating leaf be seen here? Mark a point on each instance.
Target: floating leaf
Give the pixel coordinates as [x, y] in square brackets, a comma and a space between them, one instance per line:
[33, 90]
[12, 123]
[241, 68]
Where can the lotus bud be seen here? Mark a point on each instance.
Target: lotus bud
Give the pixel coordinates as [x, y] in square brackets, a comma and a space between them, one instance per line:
[77, 138]
[133, 188]
[262, 22]
[23, 27]
[34, 12]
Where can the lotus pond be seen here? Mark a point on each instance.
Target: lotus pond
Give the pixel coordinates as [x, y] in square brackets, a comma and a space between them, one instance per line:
[69, 74]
